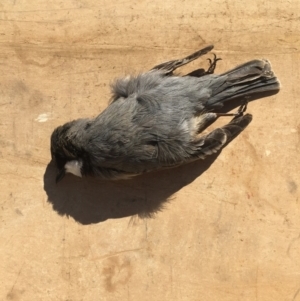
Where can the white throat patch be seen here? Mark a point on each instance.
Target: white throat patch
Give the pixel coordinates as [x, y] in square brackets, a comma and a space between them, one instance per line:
[74, 167]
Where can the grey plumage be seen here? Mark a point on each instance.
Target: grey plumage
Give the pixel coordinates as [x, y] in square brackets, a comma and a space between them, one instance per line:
[155, 119]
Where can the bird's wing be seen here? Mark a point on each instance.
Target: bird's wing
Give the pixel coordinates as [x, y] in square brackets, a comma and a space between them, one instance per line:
[220, 137]
[170, 66]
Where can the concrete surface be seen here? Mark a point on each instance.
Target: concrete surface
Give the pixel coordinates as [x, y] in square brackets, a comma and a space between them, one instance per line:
[230, 229]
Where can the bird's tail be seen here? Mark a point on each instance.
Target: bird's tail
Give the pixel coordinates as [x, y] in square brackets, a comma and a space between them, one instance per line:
[243, 81]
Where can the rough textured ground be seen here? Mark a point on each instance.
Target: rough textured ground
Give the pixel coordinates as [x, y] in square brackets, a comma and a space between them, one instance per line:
[231, 228]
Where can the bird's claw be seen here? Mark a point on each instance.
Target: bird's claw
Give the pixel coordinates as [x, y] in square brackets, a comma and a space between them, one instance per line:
[212, 64]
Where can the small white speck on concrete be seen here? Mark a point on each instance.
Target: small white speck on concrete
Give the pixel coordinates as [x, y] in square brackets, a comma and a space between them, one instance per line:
[268, 152]
[43, 117]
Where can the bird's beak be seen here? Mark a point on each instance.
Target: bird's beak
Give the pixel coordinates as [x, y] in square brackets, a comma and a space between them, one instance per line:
[60, 175]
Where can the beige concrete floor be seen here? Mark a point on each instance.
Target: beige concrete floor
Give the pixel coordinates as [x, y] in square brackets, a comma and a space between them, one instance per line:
[230, 229]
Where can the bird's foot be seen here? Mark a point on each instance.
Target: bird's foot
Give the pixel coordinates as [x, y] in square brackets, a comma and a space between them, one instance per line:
[212, 64]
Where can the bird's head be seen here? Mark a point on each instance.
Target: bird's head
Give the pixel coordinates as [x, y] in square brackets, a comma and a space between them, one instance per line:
[65, 151]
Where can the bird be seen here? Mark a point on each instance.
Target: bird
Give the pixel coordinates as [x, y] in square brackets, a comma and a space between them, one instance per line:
[156, 119]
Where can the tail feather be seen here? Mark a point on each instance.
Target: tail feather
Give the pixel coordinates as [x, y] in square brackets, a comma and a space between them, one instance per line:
[250, 70]
[243, 81]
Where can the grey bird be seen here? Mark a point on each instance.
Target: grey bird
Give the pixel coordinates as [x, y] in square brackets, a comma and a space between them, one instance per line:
[154, 120]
